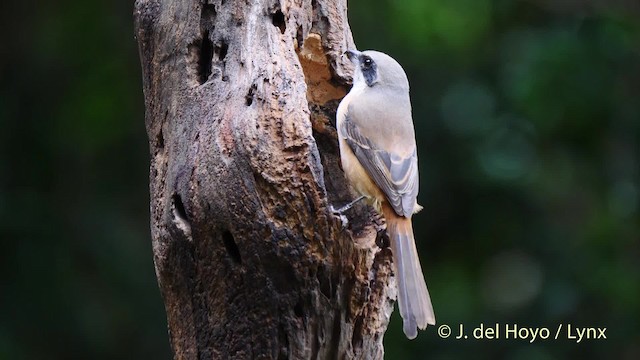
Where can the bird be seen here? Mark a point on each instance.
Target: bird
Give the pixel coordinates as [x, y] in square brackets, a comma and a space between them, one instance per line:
[379, 157]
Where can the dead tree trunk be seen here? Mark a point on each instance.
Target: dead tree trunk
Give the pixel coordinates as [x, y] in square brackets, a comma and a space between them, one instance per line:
[240, 103]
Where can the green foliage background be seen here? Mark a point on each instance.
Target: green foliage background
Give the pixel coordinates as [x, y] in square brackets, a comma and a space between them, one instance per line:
[528, 124]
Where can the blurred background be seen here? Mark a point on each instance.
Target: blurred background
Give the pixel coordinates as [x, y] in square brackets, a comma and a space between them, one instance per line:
[528, 124]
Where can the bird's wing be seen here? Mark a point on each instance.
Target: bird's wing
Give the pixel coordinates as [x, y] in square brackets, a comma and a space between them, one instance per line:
[395, 175]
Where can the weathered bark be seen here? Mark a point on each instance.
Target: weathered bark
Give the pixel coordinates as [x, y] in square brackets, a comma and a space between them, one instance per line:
[240, 103]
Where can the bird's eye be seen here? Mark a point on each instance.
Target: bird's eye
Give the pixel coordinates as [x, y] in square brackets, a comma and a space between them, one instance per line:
[367, 62]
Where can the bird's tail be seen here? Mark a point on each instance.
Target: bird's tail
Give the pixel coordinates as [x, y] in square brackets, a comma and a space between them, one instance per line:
[413, 297]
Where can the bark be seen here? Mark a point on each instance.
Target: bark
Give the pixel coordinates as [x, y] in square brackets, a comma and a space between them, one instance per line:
[240, 101]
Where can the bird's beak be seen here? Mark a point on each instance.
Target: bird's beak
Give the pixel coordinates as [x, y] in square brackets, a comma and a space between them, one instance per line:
[352, 55]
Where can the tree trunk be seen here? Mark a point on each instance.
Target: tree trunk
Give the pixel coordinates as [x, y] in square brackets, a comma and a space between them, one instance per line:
[240, 101]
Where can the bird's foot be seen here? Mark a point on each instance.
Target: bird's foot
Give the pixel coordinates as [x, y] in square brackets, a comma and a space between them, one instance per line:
[340, 215]
[340, 211]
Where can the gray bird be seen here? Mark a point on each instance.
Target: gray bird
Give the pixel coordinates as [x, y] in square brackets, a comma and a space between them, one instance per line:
[379, 158]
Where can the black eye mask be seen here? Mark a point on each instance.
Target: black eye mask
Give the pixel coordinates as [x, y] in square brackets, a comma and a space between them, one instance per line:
[369, 69]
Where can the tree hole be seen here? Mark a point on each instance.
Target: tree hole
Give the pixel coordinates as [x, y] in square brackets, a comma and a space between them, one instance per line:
[382, 239]
[208, 12]
[250, 95]
[278, 21]
[221, 51]
[324, 281]
[231, 246]
[300, 37]
[160, 140]
[179, 216]
[205, 58]
[179, 207]
[356, 339]
[297, 309]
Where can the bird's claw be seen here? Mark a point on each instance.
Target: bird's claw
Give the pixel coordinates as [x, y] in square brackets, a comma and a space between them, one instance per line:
[343, 219]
